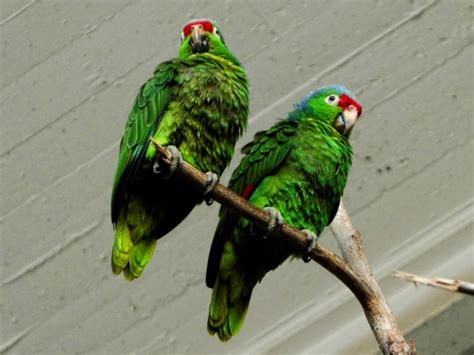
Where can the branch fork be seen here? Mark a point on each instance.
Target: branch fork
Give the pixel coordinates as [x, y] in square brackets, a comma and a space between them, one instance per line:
[354, 270]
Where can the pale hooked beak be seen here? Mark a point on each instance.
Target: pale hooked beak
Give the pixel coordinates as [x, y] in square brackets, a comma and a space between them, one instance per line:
[196, 33]
[199, 42]
[346, 120]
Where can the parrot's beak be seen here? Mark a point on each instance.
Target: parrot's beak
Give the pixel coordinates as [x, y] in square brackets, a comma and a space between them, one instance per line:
[199, 41]
[346, 120]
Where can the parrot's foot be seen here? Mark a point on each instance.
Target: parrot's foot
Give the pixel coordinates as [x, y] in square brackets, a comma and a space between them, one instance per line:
[176, 162]
[212, 180]
[312, 239]
[156, 168]
[276, 220]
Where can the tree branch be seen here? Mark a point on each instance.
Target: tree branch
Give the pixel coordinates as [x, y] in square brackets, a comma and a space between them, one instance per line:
[350, 242]
[357, 277]
[445, 284]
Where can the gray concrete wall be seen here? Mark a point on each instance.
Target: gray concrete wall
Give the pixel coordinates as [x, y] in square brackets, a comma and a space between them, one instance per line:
[449, 332]
[69, 73]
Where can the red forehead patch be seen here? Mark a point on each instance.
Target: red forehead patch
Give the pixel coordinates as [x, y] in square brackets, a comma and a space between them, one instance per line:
[345, 101]
[206, 26]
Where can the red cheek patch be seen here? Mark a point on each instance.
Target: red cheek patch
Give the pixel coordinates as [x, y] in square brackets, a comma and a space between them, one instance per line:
[206, 26]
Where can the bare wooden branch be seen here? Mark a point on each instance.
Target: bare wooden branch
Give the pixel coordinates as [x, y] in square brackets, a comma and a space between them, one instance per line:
[446, 284]
[350, 243]
[365, 288]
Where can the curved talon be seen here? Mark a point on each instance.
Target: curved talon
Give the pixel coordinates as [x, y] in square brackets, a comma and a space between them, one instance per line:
[276, 220]
[156, 167]
[312, 239]
[212, 180]
[176, 162]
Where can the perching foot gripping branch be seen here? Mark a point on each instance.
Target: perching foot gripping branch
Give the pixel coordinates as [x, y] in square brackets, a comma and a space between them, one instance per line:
[311, 238]
[276, 220]
[212, 180]
[176, 162]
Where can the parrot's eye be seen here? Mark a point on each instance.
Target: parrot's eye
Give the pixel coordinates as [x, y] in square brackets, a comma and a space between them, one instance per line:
[216, 33]
[332, 100]
[182, 36]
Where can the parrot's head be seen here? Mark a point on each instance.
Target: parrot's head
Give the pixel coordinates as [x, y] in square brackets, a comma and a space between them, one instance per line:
[200, 36]
[334, 105]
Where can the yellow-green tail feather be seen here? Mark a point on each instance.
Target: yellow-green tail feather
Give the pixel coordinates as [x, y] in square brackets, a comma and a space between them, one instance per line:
[130, 255]
[140, 256]
[122, 245]
[226, 311]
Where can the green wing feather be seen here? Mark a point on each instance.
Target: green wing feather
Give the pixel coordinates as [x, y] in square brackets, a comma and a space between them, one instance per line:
[144, 119]
[263, 155]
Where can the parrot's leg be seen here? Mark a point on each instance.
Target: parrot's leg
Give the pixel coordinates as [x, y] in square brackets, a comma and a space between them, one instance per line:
[276, 220]
[176, 162]
[212, 180]
[311, 238]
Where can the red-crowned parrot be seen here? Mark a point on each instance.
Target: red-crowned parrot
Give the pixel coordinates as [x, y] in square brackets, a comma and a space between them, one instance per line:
[197, 103]
[296, 171]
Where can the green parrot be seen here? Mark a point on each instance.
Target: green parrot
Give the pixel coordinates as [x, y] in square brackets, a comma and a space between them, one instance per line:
[197, 103]
[296, 170]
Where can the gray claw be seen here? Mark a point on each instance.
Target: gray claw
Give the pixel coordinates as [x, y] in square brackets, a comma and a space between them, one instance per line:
[276, 220]
[212, 180]
[312, 239]
[176, 162]
[156, 167]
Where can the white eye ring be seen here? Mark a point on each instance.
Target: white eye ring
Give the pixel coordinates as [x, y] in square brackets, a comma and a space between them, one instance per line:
[332, 100]
[182, 36]
[215, 32]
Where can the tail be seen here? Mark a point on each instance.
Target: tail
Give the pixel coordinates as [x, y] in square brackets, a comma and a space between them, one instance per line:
[229, 304]
[131, 251]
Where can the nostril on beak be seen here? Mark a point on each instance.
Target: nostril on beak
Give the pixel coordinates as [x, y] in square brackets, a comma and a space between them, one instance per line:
[352, 108]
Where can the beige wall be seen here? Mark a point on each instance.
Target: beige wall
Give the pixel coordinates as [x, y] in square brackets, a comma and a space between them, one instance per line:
[69, 73]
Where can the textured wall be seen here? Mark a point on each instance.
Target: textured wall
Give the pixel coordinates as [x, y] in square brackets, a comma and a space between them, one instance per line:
[69, 73]
[449, 332]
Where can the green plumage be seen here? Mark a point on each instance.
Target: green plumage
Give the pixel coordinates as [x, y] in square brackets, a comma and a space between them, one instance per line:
[300, 167]
[197, 102]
